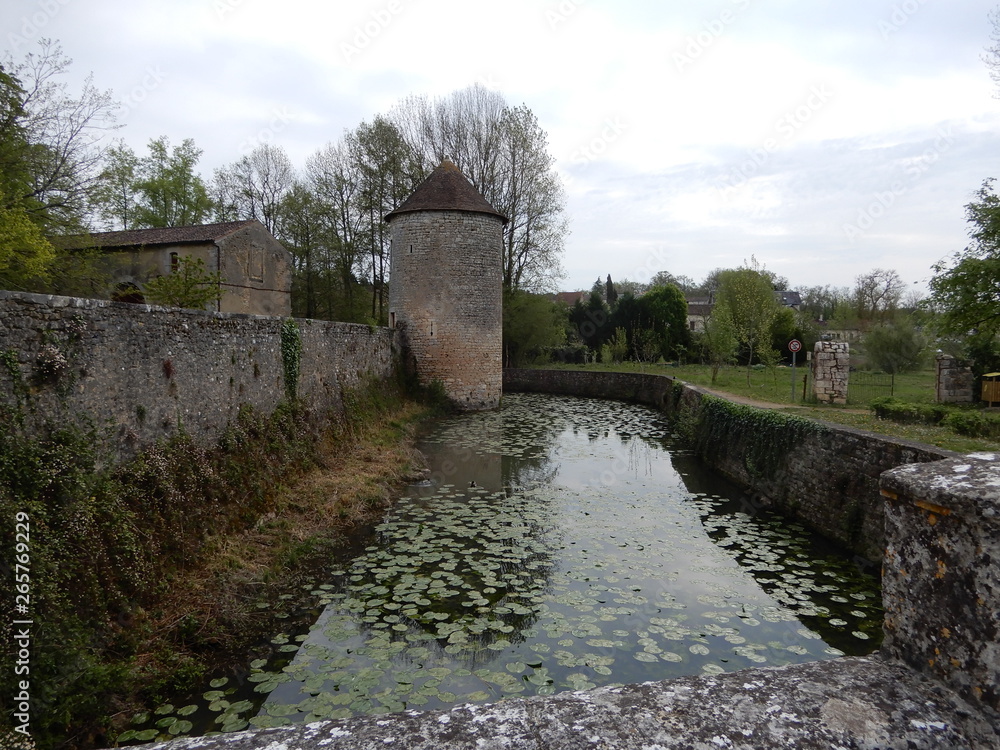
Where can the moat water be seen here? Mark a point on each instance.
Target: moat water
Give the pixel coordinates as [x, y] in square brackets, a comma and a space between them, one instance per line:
[560, 544]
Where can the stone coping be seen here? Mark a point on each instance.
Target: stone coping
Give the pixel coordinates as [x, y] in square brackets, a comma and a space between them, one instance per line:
[861, 703]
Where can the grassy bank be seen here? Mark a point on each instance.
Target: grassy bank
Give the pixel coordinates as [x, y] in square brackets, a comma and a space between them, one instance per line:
[148, 577]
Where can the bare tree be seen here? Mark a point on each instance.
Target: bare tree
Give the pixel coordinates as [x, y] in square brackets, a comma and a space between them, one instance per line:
[66, 132]
[332, 177]
[503, 152]
[992, 55]
[253, 186]
[388, 170]
[877, 293]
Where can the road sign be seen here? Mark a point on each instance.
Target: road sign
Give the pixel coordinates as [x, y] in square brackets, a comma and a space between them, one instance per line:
[794, 346]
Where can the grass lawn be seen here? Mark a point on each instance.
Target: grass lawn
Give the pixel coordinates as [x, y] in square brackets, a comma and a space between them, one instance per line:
[775, 387]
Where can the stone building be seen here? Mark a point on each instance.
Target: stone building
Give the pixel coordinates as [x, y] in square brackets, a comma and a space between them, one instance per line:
[256, 269]
[446, 294]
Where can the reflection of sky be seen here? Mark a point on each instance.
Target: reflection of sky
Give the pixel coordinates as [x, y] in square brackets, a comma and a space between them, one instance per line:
[626, 584]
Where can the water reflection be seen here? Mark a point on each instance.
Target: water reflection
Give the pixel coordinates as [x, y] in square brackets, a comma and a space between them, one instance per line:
[563, 543]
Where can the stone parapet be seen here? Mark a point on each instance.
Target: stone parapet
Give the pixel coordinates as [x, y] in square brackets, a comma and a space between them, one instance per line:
[941, 572]
[859, 703]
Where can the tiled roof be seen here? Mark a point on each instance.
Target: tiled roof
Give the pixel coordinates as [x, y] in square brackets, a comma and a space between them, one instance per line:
[159, 236]
[447, 189]
[571, 298]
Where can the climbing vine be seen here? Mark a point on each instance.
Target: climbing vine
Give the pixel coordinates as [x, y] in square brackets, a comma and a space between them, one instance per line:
[767, 436]
[291, 356]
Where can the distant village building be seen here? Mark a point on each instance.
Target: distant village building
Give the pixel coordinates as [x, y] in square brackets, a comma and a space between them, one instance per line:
[256, 269]
[699, 311]
[571, 298]
[790, 299]
[700, 308]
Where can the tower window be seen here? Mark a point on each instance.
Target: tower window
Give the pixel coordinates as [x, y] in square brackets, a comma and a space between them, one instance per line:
[411, 248]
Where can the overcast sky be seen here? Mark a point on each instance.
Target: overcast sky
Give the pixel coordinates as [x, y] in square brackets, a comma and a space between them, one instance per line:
[824, 138]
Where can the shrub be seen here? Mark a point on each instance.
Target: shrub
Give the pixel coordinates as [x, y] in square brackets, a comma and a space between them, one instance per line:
[895, 410]
[973, 423]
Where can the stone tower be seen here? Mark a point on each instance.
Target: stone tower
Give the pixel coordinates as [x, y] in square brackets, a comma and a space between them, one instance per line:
[445, 289]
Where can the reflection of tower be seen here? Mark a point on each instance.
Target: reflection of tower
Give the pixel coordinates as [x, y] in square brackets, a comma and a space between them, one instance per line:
[445, 287]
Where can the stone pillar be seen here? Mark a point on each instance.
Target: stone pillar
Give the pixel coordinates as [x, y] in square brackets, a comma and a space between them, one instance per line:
[955, 382]
[831, 366]
[941, 572]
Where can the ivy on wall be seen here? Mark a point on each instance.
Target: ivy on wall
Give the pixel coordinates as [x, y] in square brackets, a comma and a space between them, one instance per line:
[291, 356]
[767, 436]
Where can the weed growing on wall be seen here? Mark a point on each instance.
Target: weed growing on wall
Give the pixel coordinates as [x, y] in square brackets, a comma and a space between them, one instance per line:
[291, 356]
[111, 545]
[106, 544]
[767, 436]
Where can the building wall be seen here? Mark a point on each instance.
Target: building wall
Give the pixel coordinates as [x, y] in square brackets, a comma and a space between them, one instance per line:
[256, 272]
[147, 373]
[256, 269]
[141, 265]
[446, 300]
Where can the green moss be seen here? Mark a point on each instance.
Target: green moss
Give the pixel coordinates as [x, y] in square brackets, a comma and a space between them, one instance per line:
[766, 436]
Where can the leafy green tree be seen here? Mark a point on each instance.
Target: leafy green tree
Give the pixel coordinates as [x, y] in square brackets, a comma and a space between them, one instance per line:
[747, 297]
[25, 255]
[894, 348]
[966, 292]
[719, 340]
[532, 323]
[591, 321]
[170, 193]
[388, 171]
[784, 328]
[190, 285]
[664, 311]
[114, 197]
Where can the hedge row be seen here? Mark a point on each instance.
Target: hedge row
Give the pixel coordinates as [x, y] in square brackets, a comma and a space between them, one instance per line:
[964, 421]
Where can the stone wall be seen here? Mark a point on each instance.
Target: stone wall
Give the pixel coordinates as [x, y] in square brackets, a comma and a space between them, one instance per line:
[941, 574]
[955, 383]
[448, 301]
[827, 478]
[148, 372]
[831, 364]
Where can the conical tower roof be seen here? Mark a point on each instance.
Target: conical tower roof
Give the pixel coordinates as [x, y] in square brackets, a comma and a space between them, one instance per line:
[447, 189]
